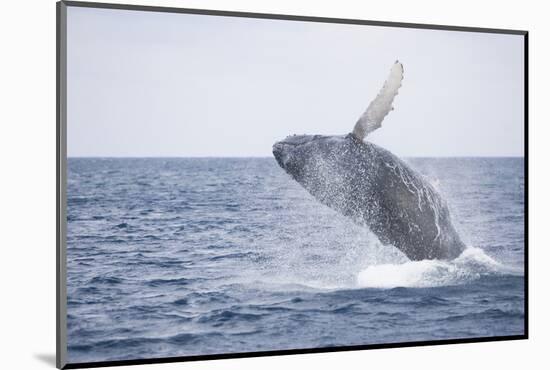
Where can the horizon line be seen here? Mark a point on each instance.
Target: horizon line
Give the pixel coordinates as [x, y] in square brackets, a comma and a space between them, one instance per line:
[265, 157]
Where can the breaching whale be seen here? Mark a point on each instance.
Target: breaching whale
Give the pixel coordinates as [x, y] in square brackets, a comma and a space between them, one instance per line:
[371, 185]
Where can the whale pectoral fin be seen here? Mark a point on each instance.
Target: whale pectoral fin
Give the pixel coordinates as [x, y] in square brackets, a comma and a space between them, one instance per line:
[381, 105]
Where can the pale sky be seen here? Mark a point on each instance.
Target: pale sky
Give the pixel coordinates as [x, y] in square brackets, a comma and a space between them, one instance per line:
[145, 84]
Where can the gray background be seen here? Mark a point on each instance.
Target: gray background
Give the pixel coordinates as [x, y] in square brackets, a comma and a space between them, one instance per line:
[160, 84]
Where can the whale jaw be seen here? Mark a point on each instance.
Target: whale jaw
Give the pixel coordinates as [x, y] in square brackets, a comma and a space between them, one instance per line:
[280, 153]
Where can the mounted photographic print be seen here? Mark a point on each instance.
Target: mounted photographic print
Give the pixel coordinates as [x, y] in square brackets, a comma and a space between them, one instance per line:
[236, 184]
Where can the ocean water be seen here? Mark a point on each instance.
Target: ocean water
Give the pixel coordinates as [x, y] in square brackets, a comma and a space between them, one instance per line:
[192, 256]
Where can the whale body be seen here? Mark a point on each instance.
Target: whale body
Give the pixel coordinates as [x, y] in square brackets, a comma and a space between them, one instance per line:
[371, 185]
[374, 188]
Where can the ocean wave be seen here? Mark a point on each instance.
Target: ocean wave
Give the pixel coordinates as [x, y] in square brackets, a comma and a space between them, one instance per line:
[106, 280]
[472, 264]
[494, 314]
[220, 317]
[167, 282]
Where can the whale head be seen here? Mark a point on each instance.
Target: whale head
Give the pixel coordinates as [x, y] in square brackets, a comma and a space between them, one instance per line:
[299, 154]
[317, 162]
[327, 167]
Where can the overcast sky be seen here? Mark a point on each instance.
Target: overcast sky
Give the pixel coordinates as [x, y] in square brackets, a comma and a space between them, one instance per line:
[161, 84]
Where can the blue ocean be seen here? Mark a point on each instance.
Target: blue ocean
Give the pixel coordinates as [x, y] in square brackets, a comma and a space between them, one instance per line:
[194, 256]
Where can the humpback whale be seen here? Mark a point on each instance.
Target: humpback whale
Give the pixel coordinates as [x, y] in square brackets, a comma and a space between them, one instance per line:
[371, 185]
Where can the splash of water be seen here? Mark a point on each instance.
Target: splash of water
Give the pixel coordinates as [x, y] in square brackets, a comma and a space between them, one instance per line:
[472, 264]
